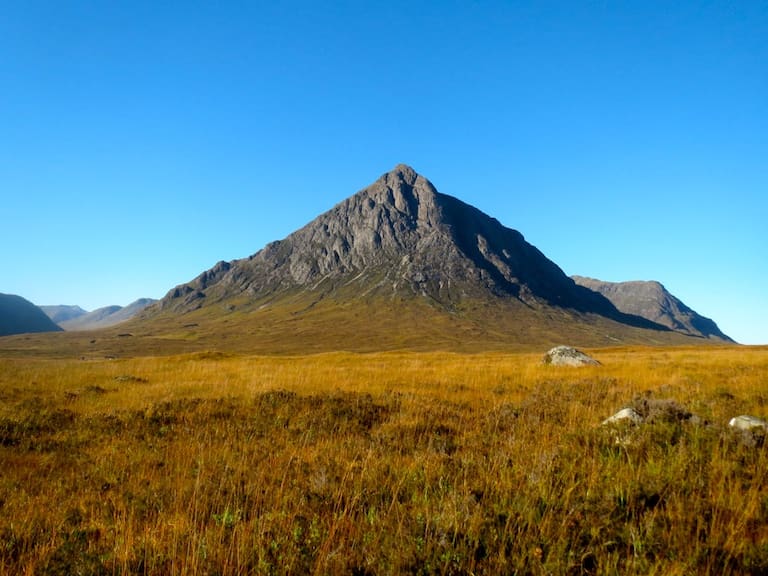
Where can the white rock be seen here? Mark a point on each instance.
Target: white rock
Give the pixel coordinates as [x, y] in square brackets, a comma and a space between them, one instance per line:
[747, 423]
[624, 415]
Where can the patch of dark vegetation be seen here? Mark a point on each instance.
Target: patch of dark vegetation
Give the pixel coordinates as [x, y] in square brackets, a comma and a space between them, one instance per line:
[210, 355]
[76, 555]
[339, 413]
[163, 419]
[94, 389]
[653, 410]
[130, 378]
[106, 425]
[502, 419]
[541, 406]
[35, 432]
[345, 413]
[423, 436]
[436, 431]
[274, 398]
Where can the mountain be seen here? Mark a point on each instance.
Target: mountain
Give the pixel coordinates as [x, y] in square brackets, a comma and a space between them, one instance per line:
[128, 312]
[62, 313]
[651, 300]
[20, 316]
[98, 318]
[106, 316]
[399, 236]
[396, 265]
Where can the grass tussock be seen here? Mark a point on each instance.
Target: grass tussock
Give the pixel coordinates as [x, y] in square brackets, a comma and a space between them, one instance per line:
[382, 464]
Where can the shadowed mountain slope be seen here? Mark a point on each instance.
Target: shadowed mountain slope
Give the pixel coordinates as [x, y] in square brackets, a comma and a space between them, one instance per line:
[651, 300]
[20, 316]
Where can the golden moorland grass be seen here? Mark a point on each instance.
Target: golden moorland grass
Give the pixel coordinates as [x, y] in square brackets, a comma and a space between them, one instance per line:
[382, 463]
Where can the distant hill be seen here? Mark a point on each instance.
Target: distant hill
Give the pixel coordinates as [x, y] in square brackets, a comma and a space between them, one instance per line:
[396, 265]
[653, 301]
[105, 317]
[62, 313]
[20, 316]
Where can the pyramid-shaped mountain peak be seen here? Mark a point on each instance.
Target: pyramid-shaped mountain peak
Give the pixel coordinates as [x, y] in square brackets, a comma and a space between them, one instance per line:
[403, 190]
[398, 237]
[398, 265]
[403, 171]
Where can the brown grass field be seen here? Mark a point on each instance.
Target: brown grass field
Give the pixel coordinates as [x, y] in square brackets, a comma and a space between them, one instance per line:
[382, 463]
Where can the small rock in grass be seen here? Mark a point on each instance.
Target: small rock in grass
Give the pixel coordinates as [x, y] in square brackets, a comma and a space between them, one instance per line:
[748, 423]
[750, 430]
[568, 356]
[625, 415]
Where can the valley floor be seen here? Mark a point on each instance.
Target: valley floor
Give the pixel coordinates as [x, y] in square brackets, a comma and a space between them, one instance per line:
[390, 463]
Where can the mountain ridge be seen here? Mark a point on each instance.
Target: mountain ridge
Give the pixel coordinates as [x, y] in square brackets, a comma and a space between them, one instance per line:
[651, 300]
[103, 317]
[63, 312]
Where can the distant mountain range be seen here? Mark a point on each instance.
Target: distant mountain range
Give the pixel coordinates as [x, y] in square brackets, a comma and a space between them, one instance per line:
[62, 313]
[73, 318]
[19, 316]
[399, 264]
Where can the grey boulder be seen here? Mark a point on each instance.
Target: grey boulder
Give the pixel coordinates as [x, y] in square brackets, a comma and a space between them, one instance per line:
[568, 356]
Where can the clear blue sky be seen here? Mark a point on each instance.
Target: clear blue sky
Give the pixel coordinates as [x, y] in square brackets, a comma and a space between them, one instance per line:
[141, 142]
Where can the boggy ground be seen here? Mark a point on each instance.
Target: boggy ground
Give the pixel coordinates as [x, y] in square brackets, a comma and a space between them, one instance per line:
[417, 463]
